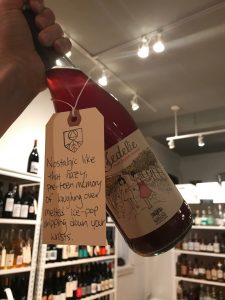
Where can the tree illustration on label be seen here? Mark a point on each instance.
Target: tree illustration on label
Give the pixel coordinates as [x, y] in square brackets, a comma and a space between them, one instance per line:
[73, 139]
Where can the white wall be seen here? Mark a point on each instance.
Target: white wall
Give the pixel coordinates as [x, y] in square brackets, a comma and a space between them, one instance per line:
[205, 167]
[17, 143]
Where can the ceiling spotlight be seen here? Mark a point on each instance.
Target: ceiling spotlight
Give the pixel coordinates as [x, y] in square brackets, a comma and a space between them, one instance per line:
[68, 54]
[158, 46]
[171, 144]
[134, 103]
[103, 81]
[201, 142]
[58, 63]
[143, 50]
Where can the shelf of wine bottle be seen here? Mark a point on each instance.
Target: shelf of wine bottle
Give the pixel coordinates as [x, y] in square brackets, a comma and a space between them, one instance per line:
[177, 251]
[207, 227]
[78, 261]
[15, 270]
[201, 281]
[17, 221]
[26, 177]
[99, 295]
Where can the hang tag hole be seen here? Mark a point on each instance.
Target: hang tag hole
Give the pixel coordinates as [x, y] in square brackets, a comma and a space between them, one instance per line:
[74, 119]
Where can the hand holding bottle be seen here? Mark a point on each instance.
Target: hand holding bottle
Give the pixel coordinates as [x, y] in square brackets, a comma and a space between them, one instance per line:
[21, 68]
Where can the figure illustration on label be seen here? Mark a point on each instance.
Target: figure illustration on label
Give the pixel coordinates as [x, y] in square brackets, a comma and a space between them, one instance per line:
[145, 192]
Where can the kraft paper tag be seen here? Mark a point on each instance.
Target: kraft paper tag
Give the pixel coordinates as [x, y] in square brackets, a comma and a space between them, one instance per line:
[74, 184]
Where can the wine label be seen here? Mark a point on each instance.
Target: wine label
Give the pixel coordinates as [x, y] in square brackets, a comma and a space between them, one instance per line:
[94, 288]
[19, 260]
[26, 254]
[219, 274]
[79, 293]
[74, 182]
[9, 260]
[31, 209]
[34, 167]
[111, 283]
[69, 289]
[9, 204]
[53, 255]
[9, 294]
[139, 192]
[16, 210]
[3, 258]
[24, 211]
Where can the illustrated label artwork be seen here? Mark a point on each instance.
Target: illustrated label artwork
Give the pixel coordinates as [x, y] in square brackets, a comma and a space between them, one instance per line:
[74, 184]
[139, 192]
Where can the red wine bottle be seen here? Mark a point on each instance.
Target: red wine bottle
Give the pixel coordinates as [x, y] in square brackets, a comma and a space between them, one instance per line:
[141, 198]
[157, 217]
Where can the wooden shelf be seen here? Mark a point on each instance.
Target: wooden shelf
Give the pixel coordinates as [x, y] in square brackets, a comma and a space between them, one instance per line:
[18, 221]
[201, 281]
[15, 271]
[199, 253]
[78, 261]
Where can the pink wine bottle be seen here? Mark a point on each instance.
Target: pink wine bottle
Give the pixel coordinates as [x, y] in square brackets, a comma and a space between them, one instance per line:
[140, 197]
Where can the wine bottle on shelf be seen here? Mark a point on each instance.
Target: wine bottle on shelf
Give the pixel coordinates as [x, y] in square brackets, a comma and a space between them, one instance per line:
[2, 250]
[16, 206]
[33, 160]
[10, 250]
[216, 245]
[27, 249]
[24, 205]
[69, 285]
[166, 218]
[9, 201]
[19, 244]
[57, 291]
[31, 209]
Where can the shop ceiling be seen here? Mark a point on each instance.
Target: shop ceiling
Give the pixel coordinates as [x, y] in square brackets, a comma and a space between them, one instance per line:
[190, 73]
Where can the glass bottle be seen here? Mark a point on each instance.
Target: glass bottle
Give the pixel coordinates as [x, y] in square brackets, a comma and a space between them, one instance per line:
[216, 244]
[204, 219]
[202, 271]
[210, 217]
[9, 201]
[197, 218]
[220, 272]
[219, 216]
[196, 243]
[214, 272]
[158, 227]
[33, 160]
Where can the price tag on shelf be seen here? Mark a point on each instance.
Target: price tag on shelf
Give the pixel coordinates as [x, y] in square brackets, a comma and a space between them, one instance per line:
[74, 182]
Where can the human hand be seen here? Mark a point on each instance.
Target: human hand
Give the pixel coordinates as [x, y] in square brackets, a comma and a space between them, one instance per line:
[16, 44]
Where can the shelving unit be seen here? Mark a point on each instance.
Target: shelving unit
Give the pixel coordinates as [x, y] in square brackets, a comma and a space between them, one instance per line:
[79, 261]
[24, 179]
[43, 266]
[177, 252]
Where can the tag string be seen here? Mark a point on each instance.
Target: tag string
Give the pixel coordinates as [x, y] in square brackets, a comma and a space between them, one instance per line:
[73, 107]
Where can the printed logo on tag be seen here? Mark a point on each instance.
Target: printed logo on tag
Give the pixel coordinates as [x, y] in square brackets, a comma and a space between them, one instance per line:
[73, 139]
